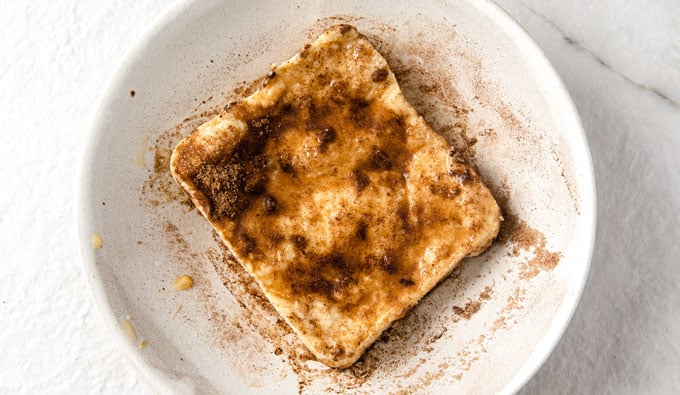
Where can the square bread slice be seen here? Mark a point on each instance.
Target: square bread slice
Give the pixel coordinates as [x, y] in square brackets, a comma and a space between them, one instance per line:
[335, 195]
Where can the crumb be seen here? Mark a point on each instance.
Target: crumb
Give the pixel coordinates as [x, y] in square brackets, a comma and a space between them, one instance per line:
[182, 283]
[96, 241]
[176, 311]
[128, 329]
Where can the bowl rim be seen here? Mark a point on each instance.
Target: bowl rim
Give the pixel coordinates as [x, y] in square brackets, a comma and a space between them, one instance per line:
[158, 379]
[154, 378]
[586, 192]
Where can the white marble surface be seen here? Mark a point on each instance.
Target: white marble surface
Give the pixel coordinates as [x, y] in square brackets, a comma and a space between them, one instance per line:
[619, 59]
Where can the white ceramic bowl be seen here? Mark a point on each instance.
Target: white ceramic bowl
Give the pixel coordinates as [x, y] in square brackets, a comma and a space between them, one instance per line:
[470, 70]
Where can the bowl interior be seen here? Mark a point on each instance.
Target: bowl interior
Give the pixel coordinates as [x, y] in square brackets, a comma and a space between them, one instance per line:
[475, 77]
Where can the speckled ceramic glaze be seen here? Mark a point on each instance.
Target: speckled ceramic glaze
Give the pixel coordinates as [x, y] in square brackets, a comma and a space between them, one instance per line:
[472, 73]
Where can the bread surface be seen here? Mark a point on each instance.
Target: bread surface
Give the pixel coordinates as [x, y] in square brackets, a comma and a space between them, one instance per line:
[335, 195]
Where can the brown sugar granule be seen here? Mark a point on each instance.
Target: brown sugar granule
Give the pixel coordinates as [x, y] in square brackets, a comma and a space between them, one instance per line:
[542, 260]
[526, 238]
[300, 242]
[255, 187]
[380, 160]
[379, 75]
[468, 310]
[231, 184]
[407, 282]
[229, 105]
[361, 180]
[222, 185]
[486, 294]
[246, 243]
[270, 204]
[345, 28]
[361, 231]
[327, 135]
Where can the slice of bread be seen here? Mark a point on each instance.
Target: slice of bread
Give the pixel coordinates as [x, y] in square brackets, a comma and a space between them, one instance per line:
[335, 195]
